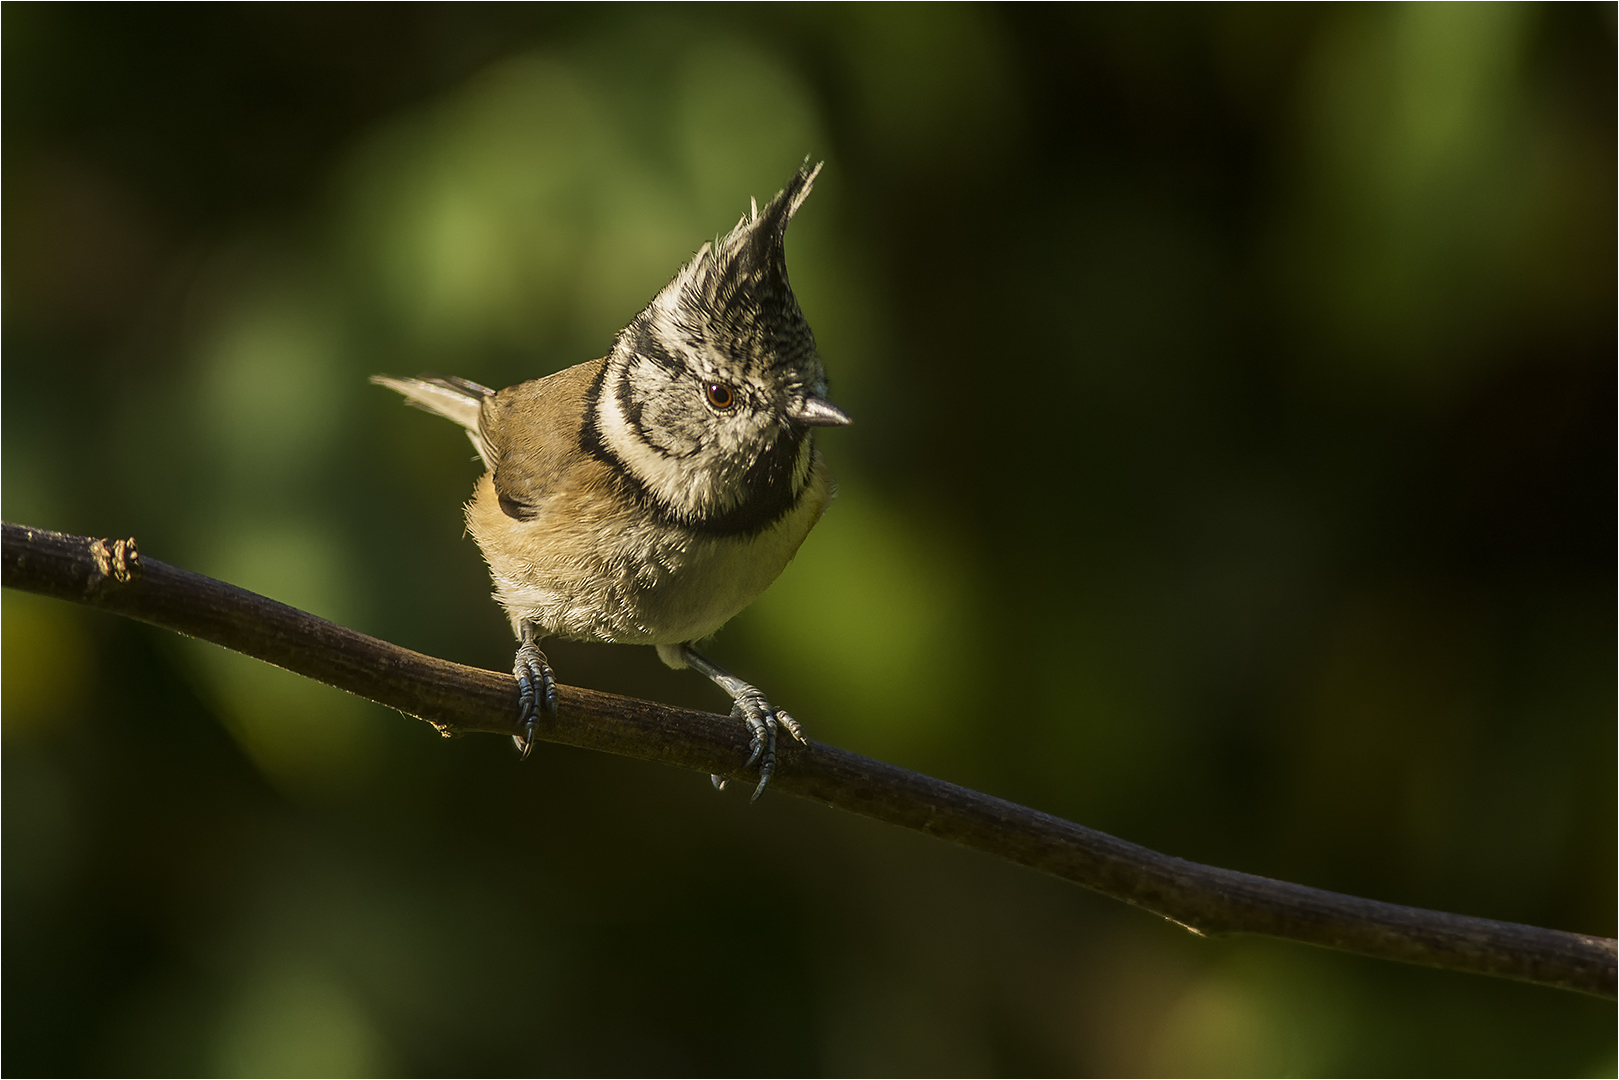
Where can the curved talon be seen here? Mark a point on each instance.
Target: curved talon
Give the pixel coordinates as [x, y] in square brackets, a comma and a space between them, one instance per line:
[525, 713]
[717, 780]
[762, 721]
[761, 728]
[536, 692]
[766, 771]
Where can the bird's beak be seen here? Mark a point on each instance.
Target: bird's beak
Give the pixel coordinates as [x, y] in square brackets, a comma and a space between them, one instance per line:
[814, 412]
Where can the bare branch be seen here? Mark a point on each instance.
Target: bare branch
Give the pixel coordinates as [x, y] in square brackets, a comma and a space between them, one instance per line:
[453, 698]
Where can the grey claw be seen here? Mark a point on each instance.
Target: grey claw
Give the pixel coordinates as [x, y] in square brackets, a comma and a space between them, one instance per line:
[765, 772]
[762, 721]
[755, 712]
[717, 780]
[536, 693]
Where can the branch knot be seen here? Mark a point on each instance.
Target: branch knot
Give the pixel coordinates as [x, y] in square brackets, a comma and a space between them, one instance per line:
[117, 562]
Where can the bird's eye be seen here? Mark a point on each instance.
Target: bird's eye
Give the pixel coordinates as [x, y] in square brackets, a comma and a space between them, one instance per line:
[720, 396]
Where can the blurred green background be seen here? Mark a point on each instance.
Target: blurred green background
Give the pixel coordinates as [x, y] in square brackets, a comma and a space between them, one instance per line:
[1233, 470]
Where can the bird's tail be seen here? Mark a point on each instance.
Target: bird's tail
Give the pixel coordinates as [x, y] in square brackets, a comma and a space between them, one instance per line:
[454, 399]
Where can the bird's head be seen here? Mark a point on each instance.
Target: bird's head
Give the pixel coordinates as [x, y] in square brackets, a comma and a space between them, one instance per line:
[709, 395]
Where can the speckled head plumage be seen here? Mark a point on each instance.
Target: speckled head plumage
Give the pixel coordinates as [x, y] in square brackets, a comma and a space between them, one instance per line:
[708, 397]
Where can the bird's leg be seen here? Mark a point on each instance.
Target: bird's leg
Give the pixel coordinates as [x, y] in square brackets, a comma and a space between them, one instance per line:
[750, 707]
[536, 686]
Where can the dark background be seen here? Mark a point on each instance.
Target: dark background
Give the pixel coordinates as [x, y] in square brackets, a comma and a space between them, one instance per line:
[1233, 470]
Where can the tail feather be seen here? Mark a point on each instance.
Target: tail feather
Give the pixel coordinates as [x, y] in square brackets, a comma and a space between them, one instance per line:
[455, 399]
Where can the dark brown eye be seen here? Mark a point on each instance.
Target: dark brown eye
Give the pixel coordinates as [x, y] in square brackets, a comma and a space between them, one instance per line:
[720, 395]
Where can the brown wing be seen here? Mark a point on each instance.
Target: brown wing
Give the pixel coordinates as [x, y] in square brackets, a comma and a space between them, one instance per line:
[533, 432]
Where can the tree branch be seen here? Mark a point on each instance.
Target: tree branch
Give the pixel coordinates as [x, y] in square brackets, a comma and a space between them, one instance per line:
[455, 699]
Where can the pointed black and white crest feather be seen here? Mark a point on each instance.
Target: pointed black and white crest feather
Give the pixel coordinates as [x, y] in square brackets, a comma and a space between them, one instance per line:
[734, 293]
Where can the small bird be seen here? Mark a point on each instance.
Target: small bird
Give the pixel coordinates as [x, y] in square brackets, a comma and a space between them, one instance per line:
[648, 496]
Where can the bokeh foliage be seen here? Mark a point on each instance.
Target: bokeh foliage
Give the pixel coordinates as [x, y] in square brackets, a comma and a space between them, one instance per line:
[1233, 470]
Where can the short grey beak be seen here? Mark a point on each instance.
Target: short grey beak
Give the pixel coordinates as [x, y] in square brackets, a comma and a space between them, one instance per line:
[815, 412]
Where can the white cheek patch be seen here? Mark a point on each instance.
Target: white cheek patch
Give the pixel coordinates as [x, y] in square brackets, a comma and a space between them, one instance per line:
[668, 479]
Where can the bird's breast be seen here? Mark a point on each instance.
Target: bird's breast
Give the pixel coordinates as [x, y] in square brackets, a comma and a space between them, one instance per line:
[589, 565]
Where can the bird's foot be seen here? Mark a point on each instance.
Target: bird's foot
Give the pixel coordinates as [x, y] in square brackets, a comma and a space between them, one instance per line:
[536, 692]
[763, 720]
[750, 707]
